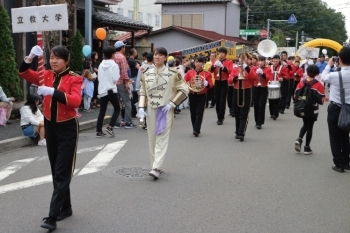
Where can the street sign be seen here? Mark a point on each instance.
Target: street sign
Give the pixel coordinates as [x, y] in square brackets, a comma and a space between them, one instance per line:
[292, 19]
[249, 32]
[263, 33]
[40, 18]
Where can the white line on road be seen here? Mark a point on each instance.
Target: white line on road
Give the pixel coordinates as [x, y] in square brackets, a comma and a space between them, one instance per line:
[14, 166]
[103, 158]
[27, 183]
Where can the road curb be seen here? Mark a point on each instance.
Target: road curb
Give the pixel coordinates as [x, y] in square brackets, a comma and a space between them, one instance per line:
[22, 141]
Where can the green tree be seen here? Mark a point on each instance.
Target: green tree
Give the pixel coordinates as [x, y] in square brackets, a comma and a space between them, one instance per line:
[9, 79]
[314, 17]
[77, 58]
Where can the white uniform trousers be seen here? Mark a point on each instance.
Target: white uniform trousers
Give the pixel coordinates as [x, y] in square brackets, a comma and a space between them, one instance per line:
[158, 144]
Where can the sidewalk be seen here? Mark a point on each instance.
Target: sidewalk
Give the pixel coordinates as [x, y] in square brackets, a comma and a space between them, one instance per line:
[11, 136]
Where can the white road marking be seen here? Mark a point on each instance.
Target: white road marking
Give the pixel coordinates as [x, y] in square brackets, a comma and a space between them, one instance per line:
[84, 150]
[27, 183]
[14, 166]
[103, 158]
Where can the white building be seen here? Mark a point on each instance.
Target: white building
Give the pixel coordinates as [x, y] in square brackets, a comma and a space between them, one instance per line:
[148, 12]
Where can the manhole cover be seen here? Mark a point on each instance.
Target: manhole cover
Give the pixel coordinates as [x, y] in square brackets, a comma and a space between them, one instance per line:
[132, 172]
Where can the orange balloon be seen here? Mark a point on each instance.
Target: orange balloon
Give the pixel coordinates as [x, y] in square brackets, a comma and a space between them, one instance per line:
[101, 33]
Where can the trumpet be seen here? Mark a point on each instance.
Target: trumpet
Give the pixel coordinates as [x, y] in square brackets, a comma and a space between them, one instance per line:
[196, 84]
[240, 103]
[260, 76]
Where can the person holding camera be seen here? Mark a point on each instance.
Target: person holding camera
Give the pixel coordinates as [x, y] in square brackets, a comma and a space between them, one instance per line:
[339, 139]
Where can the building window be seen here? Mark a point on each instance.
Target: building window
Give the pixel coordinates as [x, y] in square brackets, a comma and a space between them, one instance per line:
[131, 14]
[140, 16]
[120, 11]
[157, 20]
[149, 19]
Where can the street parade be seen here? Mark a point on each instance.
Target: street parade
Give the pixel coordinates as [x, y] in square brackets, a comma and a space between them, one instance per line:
[189, 122]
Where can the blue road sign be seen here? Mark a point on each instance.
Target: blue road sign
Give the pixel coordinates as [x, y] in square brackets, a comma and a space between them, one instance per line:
[292, 19]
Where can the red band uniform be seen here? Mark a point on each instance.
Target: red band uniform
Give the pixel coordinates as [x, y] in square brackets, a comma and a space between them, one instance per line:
[198, 99]
[240, 87]
[291, 81]
[221, 76]
[285, 86]
[298, 74]
[61, 129]
[260, 95]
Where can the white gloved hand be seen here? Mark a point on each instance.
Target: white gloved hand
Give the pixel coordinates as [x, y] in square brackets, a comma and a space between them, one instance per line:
[167, 108]
[284, 63]
[141, 114]
[217, 63]
[44, 90]
[259, 71]
[36, 51]
[205, 82]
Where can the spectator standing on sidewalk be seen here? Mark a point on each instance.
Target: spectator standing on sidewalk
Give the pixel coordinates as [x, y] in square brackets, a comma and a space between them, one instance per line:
[88, 90]
[123, 84]
[95, 64]
[61, 89]
[7, 104]
[32, 120]
[339, 139]
[107, 90]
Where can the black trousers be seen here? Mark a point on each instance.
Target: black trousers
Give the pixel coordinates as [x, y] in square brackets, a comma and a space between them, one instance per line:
[210, 97]
[230, 100]
[260, 99]
[290, 92]
[284, 93]
[197, 106]
[274, 105]
[114, 99]
[339, 139]
[295, 87]
[241, 113]
[308, 125]
[221, 88]
[61, 142]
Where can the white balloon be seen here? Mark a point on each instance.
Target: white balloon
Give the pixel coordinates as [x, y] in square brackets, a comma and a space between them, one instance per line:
[324, 51]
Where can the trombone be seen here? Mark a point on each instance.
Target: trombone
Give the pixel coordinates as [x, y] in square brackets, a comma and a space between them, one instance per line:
[240, 90]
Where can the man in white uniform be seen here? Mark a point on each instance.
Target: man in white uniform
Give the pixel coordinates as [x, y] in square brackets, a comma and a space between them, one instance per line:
[163, 88]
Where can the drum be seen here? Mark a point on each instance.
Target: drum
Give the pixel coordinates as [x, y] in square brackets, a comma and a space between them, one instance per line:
[273, 90]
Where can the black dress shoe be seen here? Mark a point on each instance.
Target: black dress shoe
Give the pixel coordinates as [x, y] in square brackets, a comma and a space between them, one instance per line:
[49, 223]
[8, 122]
[282, 111]
[65, 214]
[347, 167]
[195, 133]
[219, 122]
[338, 169]
[258, 126]
[240, 137]
[274, 117]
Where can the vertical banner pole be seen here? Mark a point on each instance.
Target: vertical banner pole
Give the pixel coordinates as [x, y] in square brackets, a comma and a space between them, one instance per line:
[39, 37]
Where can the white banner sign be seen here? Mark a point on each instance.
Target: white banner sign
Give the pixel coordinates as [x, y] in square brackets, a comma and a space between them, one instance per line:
[308, 52]
[290, 50]
[40, 18]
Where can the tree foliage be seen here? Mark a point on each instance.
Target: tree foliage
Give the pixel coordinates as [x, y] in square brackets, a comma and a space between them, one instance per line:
[314, 17]
[76, 61]
[9, 78]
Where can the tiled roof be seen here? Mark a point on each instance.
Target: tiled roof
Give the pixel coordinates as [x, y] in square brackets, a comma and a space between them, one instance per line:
[203, 34]
[241, 2]
[105, 16]
[188, 1]
[114, 18]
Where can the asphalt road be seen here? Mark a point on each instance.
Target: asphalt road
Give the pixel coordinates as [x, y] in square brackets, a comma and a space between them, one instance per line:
[212, 183]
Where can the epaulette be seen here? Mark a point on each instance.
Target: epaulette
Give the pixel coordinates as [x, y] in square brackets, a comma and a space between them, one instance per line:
[173, 70]
[74, 74]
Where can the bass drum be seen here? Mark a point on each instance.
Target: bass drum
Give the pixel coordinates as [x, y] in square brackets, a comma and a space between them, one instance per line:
[273, 90]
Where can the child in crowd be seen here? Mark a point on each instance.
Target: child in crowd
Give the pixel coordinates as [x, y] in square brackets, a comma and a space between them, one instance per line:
[88, 85]
[32, 120]
[311, 92]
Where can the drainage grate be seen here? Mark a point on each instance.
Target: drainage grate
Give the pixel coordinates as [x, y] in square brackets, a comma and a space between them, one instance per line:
[132, 172]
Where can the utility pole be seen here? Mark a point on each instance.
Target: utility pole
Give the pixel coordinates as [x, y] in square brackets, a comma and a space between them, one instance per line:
[88, 22]
[246, 24]
[296, 41]
[136, 10]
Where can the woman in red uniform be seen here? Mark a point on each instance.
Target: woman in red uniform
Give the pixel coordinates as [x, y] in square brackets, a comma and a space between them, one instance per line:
[61, 89]
[197, 99]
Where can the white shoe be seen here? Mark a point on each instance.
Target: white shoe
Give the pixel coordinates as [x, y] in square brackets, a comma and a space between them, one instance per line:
[155, 173]
[42, 142]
